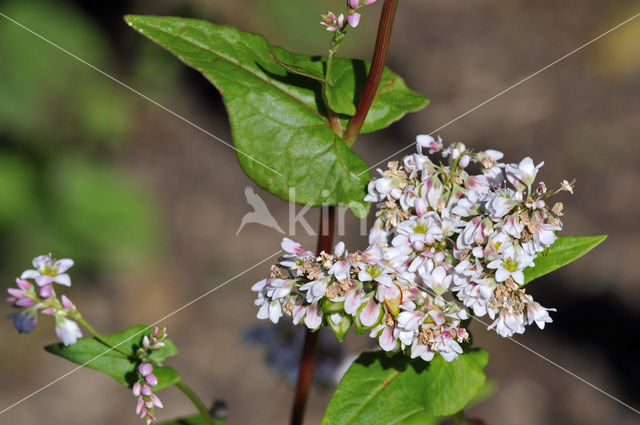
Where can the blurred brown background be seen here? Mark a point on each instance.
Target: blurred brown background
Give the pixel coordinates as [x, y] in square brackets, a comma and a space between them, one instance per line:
[149, 206]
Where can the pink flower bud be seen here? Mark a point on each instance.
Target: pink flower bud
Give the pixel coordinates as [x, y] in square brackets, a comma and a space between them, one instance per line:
[369, 2]
[136, 389]
[156, 401]
[23, 284]
[145, 342]
[464, 161]
[151, 380]
[25, 302]
[67, 304]
[145, 369]
[15, 293]
[45, 292]
[354, 3]
[353, 19]
[49, 310]
[140, 405]
[145, 390]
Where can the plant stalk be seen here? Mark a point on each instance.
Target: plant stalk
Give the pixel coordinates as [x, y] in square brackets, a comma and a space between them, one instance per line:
[309, 349]
[99, 336]
[193, 397]
[375, 73]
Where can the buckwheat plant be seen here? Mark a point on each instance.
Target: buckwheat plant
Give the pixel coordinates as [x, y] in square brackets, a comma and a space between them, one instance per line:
[457, 235]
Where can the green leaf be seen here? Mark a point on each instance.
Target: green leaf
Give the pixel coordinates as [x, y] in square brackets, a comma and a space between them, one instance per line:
[381, 389]
[193, 420]
[563, 251]
[392, 101]
[284, 141]
[94, 354]
[277, 116]
[421, 418]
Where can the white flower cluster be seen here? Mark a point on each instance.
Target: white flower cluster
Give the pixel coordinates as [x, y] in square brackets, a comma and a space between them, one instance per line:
[439, 230]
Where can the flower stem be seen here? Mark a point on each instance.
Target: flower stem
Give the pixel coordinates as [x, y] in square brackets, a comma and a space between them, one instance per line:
[99, 336]
[375, 73]
[309, 349]
[193, 397]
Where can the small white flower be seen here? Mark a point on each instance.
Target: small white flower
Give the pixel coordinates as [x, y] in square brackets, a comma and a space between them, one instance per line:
[537, 313]
[67, 330]
[511, 266]
[522, 175]
[48, 271]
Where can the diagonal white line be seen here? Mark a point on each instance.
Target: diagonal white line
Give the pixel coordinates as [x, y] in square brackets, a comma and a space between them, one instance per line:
[509, 88]
[430, 291]
[142, 331]
[138, 93]
[542, 357]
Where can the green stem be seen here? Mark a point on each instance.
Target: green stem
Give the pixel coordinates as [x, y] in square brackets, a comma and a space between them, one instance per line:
[375, 73]
[99, 336]
[193, 397]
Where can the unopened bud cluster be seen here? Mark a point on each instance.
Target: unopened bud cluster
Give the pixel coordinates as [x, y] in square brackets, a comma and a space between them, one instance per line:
[334, 23]
[465, 225]
[35, 294]
[153, 341]
[142, 389]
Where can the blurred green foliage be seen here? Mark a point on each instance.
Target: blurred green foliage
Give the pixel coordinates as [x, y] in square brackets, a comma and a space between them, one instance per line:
[60, 121]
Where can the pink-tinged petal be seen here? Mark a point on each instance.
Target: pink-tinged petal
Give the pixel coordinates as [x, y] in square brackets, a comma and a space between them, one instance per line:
[44, 280]
[139, 405]
[437, 316]
[313, 319]
[45, 292]
[156, 401]
[387, 341]
[259, 286]
[291, 247]
[145, 369]
[353, 19]
[41, 262]
[66, 303]
[339, 249]
[352, 302]
[146, 390]
[63, 265]
[354, 3]
[297, 314]
[63, 279]
[15, 292]
[151, 380]
[136, 389]
[24, 284]
[369, 2]
[25, 302]
[370, 314]
[29, 274]
[49, 311]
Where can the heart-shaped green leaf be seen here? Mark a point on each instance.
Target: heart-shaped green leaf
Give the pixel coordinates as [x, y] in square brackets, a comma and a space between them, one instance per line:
[389, 390]
[94, 354]
[563, 251]
[284, 141]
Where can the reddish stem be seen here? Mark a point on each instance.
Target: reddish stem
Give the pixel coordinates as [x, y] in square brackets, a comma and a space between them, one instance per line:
[308, 358]
[375, 73]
